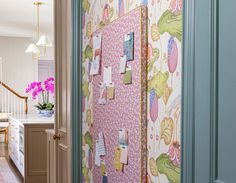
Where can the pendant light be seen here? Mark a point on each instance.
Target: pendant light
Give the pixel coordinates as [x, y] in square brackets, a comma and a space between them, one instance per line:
[43, 41]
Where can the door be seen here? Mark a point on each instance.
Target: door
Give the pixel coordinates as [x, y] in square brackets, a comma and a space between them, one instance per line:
[62, 62]
[209, 87]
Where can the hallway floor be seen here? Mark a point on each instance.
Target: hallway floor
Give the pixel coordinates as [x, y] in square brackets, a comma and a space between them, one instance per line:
[8, 171]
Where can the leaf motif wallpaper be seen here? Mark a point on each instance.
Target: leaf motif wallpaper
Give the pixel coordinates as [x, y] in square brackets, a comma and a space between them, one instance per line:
[164, 82]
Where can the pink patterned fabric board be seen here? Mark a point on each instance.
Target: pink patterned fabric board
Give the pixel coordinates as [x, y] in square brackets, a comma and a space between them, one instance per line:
[128, 109]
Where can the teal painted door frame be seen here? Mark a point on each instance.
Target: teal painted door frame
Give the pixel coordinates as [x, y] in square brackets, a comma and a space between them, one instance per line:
[76, 96]
[199, 91]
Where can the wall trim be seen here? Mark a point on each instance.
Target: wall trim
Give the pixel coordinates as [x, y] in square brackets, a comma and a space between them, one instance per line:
[214, 29]
[76, 108]
[188, 93]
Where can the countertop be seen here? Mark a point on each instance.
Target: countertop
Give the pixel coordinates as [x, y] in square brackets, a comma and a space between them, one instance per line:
[31, 119]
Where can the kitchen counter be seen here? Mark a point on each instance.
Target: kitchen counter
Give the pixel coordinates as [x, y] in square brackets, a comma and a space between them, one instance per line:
[28, 145]
[31, 119]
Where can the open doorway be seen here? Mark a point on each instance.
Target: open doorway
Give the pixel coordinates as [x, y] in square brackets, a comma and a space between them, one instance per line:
[27, 89]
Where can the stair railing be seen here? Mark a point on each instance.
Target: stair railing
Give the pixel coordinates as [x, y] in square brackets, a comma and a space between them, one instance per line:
[10, 100]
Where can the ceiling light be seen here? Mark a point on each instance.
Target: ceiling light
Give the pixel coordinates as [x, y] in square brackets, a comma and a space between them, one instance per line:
[42, 41]
[45, 42]
[32, 48]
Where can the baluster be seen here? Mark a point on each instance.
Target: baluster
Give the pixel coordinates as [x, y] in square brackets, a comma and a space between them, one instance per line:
[5, 100]
[20, 105]
[8, 103]
[11, 103]
[17, 106]
[14, 111]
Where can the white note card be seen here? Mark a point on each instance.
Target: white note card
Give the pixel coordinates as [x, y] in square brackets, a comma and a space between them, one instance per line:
[124, 154]
[97, 40]
[107, 75]
[95, 66]
[97, 156]
[122, 67]
[101, 145]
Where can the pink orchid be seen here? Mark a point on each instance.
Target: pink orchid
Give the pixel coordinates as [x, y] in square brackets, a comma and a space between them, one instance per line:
[35, 88]
[49, 85]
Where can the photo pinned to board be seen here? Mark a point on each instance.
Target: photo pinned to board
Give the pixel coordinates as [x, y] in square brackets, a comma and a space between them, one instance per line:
[123, 137]
[129, 46]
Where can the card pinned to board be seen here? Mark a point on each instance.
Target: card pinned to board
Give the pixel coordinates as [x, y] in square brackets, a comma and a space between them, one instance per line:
[118, 165]
[124, 154]
[95, 66]
[128, 76]
[111, 91]
[123, 137]
[97, 157]
[101, 145]
[97, 50]
[122, 67]
[129, 46]
[103, 169]
[107, 74]
[103, 94]
[100, 149]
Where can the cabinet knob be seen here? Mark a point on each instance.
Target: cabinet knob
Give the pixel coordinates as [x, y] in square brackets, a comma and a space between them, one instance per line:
[56, 137]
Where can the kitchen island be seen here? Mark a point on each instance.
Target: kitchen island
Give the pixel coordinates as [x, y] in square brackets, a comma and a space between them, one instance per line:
[28, 146]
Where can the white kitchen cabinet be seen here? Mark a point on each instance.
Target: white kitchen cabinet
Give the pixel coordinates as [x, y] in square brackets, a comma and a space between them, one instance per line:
[28, 146]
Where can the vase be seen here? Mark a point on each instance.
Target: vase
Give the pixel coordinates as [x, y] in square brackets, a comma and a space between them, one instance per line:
[46, 113]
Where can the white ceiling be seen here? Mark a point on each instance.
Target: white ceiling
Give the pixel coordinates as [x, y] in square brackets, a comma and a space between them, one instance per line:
[18, 18]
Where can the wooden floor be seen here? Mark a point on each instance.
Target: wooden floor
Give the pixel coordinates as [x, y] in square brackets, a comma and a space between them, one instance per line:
[9, 168]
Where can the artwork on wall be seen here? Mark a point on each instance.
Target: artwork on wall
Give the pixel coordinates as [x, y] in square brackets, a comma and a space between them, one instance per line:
[164, 70]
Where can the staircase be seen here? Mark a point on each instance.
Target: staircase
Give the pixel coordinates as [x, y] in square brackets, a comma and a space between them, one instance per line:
[10, 101]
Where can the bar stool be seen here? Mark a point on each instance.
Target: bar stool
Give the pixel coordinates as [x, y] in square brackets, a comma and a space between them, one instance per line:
[5, 132]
